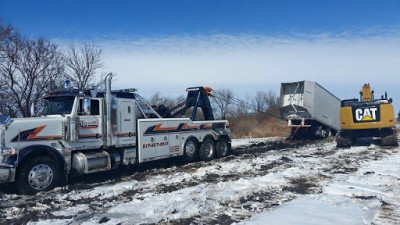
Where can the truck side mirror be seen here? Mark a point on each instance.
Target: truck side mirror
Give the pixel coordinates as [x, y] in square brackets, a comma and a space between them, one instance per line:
[32, 109]
[86, 106]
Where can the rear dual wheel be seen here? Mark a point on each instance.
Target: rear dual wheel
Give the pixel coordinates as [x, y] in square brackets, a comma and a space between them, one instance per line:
[190, 150]
[207, 150]
[222, 148]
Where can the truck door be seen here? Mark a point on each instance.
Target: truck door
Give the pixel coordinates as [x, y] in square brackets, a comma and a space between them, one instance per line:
[126, 124]
[152, 139]
[90, 126]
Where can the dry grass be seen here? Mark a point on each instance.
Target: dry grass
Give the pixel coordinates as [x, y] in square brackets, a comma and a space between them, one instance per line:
[258, 125]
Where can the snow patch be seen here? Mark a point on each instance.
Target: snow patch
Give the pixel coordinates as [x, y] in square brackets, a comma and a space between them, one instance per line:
[311, 211]
[242, 142]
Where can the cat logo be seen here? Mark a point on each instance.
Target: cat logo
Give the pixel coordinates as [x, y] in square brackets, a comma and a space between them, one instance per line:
[366, 114]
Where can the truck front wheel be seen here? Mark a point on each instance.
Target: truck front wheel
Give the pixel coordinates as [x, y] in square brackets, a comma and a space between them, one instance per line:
[37, 174]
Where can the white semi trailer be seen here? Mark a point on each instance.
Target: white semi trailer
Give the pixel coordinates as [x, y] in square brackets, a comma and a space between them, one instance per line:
[310, 109]
[85, 131]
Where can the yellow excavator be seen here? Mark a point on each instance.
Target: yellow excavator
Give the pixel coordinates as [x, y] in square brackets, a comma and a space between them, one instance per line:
[367, 118]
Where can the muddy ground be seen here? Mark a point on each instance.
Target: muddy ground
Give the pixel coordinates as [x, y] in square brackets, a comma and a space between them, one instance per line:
[301, 165]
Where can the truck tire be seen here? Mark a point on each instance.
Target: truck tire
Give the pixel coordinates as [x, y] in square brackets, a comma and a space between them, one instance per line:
[190, 150]
[222, 148]
[207, 150]
[37, 174]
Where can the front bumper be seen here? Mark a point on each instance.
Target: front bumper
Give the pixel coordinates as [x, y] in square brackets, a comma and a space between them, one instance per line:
[7, 174]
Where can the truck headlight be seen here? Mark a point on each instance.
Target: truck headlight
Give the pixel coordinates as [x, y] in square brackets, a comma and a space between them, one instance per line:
[6, 154]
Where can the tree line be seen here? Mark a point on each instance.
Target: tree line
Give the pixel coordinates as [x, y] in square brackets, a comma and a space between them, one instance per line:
[227, 105]
[30, 67]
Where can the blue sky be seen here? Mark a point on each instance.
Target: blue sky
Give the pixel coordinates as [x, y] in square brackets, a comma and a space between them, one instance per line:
[88, 19]
[246, 46]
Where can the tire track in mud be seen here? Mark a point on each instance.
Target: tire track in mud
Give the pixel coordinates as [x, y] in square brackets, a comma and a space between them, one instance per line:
[387, 214]
[285, 159]
[25, 205]
[299, 186]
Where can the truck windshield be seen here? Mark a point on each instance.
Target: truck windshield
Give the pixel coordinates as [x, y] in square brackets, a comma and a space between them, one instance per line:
[58, 105]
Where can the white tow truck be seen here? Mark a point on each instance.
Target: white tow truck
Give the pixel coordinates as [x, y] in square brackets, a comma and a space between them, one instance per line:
[87, 131]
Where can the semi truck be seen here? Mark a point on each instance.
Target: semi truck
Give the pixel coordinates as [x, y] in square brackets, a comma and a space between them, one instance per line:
[88, 131]
[310, 109]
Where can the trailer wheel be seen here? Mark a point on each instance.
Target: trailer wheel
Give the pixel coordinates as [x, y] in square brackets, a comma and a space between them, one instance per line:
[37, 174]
[328, 132]
[222, 148]
[190, 150]
[207, 150]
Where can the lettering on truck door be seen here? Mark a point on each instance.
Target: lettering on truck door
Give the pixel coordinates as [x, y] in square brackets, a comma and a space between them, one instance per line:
[90, 126]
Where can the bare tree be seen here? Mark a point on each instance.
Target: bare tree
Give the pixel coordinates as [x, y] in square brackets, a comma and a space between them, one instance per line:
[157, 99]
[82, 63]
[223, 104]
[178, 99]
[243, 107]
[29, 68]
[264, 101]
[259, 102]
[272, 99]
[7, 33]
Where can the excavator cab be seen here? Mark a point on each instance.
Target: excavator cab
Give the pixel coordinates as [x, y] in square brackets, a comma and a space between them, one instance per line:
[366, 94]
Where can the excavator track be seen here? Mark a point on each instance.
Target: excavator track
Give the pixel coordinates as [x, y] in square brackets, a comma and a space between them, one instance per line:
[343, 142]
[390, 140]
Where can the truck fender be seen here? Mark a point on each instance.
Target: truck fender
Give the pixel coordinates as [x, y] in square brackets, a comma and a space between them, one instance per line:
[43, 150]
[189, 137]
[209, 136]
[225, 136]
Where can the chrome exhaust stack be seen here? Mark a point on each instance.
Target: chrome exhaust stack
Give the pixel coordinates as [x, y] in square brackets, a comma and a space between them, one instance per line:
[108, 97]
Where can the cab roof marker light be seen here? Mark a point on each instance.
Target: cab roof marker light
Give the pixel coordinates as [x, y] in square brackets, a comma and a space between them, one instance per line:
[67, 84]
[128, 90]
